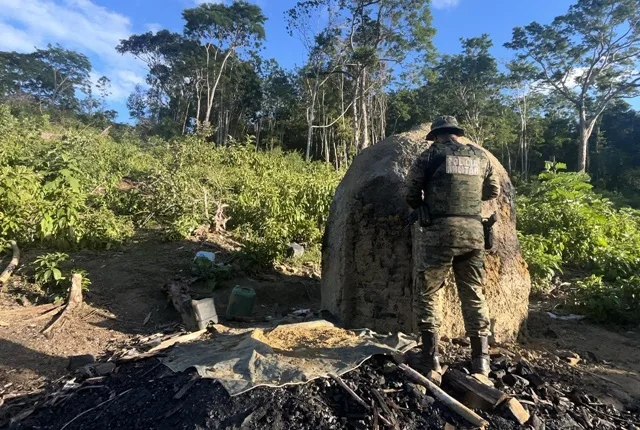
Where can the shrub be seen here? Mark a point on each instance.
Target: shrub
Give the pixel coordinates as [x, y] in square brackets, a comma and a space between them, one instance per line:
[564, 223]
[75, 188]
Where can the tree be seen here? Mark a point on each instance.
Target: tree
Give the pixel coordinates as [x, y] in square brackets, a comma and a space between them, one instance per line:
[279, 100]
[353, 55]
[174, 66]
[469, 86]
[589, 56]
[51, 77]
[526, 99]
[223, 30]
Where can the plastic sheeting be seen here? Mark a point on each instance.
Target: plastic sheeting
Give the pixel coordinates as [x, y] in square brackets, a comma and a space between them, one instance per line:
[241, 362]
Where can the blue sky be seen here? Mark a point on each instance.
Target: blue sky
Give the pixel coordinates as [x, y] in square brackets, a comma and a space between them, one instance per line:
[94, 28]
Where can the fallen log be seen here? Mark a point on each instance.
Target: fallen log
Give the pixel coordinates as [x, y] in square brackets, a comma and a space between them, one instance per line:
[477, 395]
[74, 301]
[13, 264]
[441, 395]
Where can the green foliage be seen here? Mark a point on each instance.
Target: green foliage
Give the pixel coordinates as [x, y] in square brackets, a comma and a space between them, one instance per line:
[50, 274]
[46, 190]
[615, 301]
[47, 270]
[564, 223]
[84, 190]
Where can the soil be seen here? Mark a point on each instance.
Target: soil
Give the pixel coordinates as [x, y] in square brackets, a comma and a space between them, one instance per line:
[126, 291]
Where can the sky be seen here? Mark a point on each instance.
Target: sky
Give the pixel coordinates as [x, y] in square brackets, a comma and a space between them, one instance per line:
[95, 27]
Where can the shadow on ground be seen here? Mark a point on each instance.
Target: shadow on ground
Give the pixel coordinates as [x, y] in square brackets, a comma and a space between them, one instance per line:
[126, 298]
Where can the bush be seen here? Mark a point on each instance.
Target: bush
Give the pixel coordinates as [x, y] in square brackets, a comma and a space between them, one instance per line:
[74, 188]
[564, 223]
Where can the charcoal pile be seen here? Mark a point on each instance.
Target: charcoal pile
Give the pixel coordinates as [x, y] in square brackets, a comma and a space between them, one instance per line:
[144, 394]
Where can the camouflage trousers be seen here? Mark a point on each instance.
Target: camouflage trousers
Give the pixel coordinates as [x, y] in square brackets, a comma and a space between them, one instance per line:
[469, 272]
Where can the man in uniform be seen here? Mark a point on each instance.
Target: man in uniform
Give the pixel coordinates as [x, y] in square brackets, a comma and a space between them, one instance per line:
[447, 185]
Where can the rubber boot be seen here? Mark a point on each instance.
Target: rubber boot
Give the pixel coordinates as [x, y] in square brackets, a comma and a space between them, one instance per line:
[430, 356]
[480, 355]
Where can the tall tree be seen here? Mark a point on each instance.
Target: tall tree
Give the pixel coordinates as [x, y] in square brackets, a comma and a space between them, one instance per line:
[590, 57]
[223, 30]
[524, 95]
[469, 84]
[367, 38]
[52, 77]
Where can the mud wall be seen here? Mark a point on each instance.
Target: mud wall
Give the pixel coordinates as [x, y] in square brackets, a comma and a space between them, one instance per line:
[367, 270]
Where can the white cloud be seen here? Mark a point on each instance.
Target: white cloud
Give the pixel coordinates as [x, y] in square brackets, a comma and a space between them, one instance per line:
[445, 4]
[15, 40]
[80, 25]
[154, 27]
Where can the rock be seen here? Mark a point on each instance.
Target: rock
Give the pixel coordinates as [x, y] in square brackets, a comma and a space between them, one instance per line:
[367, 271]
[573, 361]
[427, 401]
[567, 354]
[295, 250]
[592, 356]
[389, 368]
[102, 369]
[521, 381]
[499, 374]
[78, 361]
[416, 390]
[510, 379]
[461, 341]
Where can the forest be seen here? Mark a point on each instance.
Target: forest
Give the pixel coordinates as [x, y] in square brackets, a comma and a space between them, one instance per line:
[218, 124]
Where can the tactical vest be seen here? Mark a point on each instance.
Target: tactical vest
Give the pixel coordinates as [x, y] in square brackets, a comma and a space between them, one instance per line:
[455, 186]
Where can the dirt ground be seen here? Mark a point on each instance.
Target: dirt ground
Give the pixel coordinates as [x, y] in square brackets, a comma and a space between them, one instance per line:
[126, 301]
[127, 290]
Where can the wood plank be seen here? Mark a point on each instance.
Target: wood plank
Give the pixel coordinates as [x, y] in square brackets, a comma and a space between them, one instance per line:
[477, 395]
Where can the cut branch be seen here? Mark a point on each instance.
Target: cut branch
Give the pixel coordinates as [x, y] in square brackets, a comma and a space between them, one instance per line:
[13, 264]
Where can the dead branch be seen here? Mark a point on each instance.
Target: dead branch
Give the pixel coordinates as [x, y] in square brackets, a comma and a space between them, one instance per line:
[449, 401]
[386, 409]
[31, 310]
[48, 314]
[178, 339]
[73, 302]
[357, 398]
[219, 219]
[13, 264]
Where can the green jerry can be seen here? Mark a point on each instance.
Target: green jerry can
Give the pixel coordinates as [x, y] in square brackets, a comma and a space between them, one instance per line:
[241, 302]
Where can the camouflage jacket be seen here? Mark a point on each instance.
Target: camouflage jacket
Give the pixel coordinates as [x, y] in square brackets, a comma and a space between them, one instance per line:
[452, 179]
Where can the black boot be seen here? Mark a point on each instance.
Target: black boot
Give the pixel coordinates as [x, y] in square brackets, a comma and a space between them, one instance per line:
[430, 351]
[480, 355]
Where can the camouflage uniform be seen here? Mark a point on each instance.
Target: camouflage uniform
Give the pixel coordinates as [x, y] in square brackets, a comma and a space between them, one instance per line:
[455, 178]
